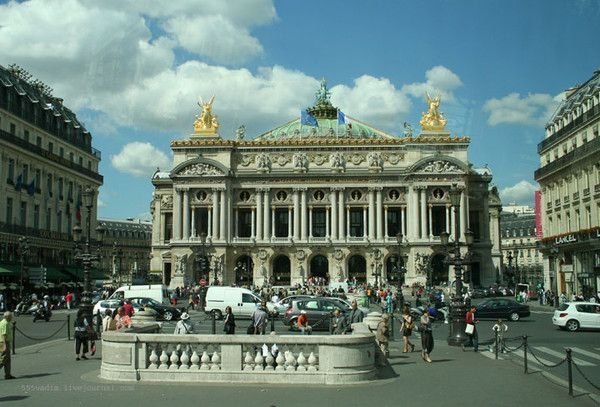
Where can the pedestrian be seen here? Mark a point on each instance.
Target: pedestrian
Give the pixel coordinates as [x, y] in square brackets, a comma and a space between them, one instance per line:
[184, 325]
[302, 323]
[471, 329]
[81, 336]
[69, 299]
[338, 326]
[229, 323]
[128, 308]
[426, 336]
[108, 321]
[5, 338]
[382, 336]
[499, 328]
[355, 315]
[406, 330]
[122, 320]
[259, 319]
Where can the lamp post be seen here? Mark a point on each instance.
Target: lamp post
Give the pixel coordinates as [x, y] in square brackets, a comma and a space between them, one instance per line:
[456, 334]
[23, 251]
[375, 271]
[85, 255]
[401, 270]
[554, 253]
[201, 259]
[510, 268]
[117, 253]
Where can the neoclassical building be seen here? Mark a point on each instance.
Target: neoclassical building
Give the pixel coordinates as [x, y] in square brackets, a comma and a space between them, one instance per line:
[323, 196]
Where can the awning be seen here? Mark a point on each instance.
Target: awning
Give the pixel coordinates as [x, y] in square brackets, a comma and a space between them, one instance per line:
[7, 270]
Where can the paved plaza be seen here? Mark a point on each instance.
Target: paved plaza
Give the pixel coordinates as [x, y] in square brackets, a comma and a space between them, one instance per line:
[47, 374]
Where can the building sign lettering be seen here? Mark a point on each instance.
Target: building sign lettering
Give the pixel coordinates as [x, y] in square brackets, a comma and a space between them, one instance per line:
[565, 239]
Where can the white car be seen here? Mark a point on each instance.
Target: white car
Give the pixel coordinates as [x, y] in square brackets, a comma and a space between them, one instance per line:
[575, 315]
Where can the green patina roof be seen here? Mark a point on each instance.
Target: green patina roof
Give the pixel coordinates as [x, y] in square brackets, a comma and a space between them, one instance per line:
[326, 116]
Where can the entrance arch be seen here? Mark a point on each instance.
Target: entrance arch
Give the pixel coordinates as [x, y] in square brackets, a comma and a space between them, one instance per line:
[282, 270]
[357, 269]
[439, 270]
[319, 269]
[243, 269]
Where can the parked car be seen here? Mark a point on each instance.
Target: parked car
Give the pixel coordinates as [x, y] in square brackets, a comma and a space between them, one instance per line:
[505, 308]
[166, 312]
[573, 316]
[318, 310]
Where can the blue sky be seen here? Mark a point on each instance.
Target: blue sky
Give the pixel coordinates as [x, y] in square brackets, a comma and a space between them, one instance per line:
[134, 70]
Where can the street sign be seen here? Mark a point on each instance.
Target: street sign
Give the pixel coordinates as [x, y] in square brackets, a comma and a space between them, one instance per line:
[202, 282]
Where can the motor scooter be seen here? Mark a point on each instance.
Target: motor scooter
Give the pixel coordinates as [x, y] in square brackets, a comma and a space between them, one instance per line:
[40, 312]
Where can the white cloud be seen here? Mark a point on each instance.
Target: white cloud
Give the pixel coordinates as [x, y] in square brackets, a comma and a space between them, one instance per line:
[439, 81]
[140, 159]
[533, 109]
[522, 193]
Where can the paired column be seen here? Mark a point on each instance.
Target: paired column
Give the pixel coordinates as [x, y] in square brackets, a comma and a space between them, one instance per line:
[186, 214]
[267, 214]
[379, 209]
[371, 214]
[296, 214]
[224, 215]
[464, 216]
[303, 209]
[341, 213]
[334, 214]
[215, 214]
[423, 213]
[259, 215]
[177, 215]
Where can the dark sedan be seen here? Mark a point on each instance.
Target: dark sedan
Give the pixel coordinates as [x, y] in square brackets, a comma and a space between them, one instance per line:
[318, 310]
[504, 308]
[165, 312]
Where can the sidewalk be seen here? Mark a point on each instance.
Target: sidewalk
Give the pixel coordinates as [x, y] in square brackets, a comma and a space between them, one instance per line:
[48, 374]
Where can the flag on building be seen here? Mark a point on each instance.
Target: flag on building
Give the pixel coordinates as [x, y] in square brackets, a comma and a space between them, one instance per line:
[342, 119]
[308, 119]
[19, 182]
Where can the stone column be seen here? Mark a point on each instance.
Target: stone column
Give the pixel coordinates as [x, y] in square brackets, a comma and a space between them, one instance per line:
[296, 214]
[371, 222]
[334, 214]
[464, 216]
[259, 214]
[267, 215]
[385, 215]
[430, 212]
[412, 223]
[236, 214]
[303, 209]
[341, 215]
[186, 215]
[423, 212]
[177, 215]
[448, 219]
[379, 209]
[327, 225]
[310, 222]
[290, 223]
[403, 220]
[273, 222]
[193, 222]
[224, 214]
[347, 221]
[215, 211]
[364, 222]
[157, 223]
[253, 224]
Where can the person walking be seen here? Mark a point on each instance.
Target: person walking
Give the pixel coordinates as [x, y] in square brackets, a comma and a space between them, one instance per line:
[259, 319]
[499, 328]
[471, 329]
[426, 336]
[406, 330]
[229, 323]
[5, 338]
[184, 325]
[81, 336]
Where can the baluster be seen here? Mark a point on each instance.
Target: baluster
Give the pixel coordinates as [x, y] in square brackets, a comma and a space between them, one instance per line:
[269, 360]
[290, 361]
[248, 361]
[195, 361]
[312, 362]
[174, 359]
[216, 361]
[280, 360]
[205, 360]
[185, 359]
[164, 360]
[153, 358]
[258, 360]
[301, 362]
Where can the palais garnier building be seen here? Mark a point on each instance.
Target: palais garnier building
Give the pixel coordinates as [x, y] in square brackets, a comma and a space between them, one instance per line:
[324, 198]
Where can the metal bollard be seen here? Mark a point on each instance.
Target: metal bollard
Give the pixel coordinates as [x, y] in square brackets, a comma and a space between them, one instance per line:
[68, 327]
[496, 342]
[570, 370]
[14, 326]
[213, 323]
[525, 352]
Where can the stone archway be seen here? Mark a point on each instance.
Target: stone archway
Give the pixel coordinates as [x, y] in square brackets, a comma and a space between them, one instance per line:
[439, 270]
[357, 269]
[319, 269]
[243, 270]
[282, 270]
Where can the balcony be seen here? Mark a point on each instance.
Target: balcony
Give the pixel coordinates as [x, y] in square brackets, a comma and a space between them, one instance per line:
[596, 188]
[549, 205]
[586, 191]
[575, 196]
[563, 163]
[565, 199]
[557, 202]
[580, 121]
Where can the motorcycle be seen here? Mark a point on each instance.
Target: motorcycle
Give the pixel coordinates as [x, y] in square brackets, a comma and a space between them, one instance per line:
[40, 312]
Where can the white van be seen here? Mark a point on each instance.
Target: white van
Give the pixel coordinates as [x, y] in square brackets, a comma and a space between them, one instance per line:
[157, 292]
[242, 301]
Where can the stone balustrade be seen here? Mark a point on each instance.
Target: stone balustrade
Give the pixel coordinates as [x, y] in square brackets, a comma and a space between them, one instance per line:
[315, 359]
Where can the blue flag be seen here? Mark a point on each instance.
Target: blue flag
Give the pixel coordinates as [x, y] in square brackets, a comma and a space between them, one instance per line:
[308, 119]
[19, 182]
[342, 119]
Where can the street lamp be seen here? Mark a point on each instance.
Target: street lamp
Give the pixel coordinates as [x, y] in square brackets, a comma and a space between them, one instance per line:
[401, 270]
[375, 271]
[456, 334]
[23, 251]
[86, 256]
[201, 259]
[117, 253]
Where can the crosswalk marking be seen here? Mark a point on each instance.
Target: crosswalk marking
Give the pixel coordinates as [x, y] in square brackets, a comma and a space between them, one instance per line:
[586, 353]
[560, 355]
[532, 359]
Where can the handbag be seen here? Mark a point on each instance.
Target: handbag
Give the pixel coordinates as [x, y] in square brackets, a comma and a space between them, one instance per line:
[469, 329]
